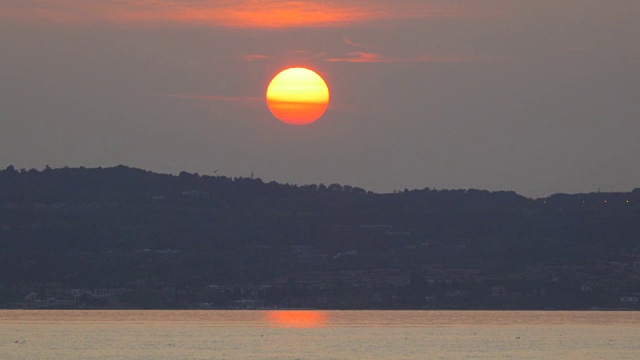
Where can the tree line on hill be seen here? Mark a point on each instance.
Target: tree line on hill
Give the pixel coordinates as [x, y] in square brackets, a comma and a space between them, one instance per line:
[159, 234]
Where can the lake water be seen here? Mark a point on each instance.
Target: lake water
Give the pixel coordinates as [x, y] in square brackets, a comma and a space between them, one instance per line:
[309, 334]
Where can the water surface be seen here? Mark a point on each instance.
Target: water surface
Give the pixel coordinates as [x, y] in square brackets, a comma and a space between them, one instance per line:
[309, 334]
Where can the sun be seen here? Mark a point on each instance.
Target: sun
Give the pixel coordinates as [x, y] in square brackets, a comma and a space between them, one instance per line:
[297, 96]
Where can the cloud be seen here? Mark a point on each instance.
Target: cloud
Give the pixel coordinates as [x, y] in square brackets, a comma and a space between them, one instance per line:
[225, 13]
[247, 101]
[250, 101]
[459, 59]
[255, 57]
[359, 57]
[350, 42]
[369, 57]
[364, 57]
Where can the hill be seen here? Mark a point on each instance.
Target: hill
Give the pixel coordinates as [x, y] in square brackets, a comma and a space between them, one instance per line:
[124, 237]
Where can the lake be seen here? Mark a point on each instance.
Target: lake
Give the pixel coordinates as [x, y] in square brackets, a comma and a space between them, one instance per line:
[311, 334]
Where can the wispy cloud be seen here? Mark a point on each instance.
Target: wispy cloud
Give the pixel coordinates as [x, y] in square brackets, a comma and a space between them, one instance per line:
[459, 59]
[369, 57]
[237, 100]
[350, 42]
[364, 57]
[359, 57]
[255, 57]
[245, 101]
[225, 13]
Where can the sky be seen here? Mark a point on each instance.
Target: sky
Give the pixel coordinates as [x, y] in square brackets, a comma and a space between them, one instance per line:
[534, 96]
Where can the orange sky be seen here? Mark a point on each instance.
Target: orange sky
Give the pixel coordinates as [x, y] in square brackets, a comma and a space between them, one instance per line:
[237, 14]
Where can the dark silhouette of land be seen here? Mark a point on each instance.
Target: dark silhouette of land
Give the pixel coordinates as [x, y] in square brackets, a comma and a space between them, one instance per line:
[127, 238]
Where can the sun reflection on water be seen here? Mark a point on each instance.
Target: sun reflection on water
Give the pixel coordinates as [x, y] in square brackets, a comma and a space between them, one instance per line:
[297, 318]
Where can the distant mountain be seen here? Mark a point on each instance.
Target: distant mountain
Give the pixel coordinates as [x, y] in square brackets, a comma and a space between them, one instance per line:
[124, 237]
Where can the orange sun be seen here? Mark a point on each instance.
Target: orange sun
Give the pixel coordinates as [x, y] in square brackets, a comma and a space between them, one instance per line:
[297, 96]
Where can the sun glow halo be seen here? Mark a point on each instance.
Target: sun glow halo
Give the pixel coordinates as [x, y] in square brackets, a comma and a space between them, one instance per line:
[297, 96]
